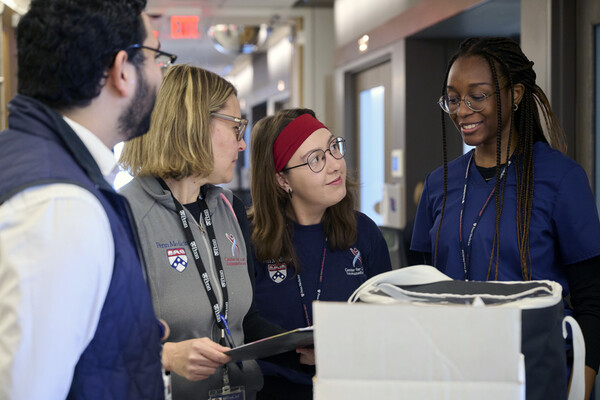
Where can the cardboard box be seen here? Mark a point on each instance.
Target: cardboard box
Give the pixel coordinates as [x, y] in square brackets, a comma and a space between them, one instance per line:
[414, 351]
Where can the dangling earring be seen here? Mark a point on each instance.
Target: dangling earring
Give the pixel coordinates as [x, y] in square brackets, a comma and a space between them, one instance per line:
[515, 107]
[290, 192]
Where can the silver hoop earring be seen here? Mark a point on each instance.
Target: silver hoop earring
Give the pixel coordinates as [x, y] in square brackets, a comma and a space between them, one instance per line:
[290, 192]
[515, 107]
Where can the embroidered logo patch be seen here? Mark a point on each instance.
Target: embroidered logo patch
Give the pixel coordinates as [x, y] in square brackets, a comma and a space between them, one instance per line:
[356, 253]
[233, 241]
[177, 259]
[277, 272]
[357, 267]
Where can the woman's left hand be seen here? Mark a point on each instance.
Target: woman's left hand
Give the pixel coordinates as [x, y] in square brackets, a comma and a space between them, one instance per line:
[307, 355]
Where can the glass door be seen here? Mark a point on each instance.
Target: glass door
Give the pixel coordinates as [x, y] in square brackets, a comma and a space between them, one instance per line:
[373, 96]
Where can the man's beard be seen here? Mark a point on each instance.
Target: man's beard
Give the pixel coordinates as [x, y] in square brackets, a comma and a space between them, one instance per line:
[135, 121]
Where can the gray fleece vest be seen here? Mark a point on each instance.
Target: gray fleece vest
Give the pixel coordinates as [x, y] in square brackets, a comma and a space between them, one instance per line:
[178, 292]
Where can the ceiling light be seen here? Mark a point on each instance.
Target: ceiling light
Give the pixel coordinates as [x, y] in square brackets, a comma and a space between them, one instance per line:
[363, 43]
[238, 39]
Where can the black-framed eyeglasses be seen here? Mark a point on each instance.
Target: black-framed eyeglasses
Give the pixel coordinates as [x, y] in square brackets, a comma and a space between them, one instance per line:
[475, 101]
[242, 123]
[163, 59]
[317, 159]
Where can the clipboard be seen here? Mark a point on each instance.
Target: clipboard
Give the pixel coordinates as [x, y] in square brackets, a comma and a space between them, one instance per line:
[273, 345]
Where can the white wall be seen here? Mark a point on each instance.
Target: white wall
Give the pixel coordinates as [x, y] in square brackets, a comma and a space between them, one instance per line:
[536, 21]
[19, 6]
[306, 78]
[355, 17]
[318, 62]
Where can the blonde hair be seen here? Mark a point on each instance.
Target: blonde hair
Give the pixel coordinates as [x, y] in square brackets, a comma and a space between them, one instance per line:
[178, 143]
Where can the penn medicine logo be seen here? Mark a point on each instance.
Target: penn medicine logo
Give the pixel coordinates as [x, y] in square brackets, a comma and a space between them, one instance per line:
[277, 272]
[177, 259]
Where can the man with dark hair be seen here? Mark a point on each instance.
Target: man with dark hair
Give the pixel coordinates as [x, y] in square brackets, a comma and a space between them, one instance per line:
[76, 315]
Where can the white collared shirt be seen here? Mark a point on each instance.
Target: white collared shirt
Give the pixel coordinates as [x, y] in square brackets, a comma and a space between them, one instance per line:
[103, 156]
[56, 263]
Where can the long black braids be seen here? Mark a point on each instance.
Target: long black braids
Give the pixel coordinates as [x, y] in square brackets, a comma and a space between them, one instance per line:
[445, 160]
[499, 198]
[506, 58]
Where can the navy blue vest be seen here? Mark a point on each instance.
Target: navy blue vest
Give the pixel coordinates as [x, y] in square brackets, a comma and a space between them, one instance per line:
[123, 359]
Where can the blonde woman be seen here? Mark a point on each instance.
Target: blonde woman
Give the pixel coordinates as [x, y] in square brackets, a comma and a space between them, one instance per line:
[193, 233]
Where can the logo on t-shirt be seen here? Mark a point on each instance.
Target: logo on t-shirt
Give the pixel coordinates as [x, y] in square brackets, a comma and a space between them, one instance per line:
[233, 241]
[357, 267]
[277, 272]
[356, 254]
[177, 259]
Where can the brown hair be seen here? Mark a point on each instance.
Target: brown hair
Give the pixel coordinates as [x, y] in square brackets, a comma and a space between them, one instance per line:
[178, 143]
[270, 214]
[509, 65]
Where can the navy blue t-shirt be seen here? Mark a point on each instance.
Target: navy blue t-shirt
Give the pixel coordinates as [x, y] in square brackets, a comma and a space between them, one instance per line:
[277, 291]
[564, 226]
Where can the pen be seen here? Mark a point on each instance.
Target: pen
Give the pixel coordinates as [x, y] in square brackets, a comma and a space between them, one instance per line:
[230, 339]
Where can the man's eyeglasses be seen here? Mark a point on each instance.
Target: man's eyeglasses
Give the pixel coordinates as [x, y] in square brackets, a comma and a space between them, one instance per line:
[476, 102]
[163, 59]
[316, 159]
[240, 129]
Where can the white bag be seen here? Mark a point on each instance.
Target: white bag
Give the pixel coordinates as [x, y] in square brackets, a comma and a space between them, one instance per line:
[543, 321]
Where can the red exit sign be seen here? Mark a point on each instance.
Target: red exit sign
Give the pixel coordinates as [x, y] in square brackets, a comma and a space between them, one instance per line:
[184, 26]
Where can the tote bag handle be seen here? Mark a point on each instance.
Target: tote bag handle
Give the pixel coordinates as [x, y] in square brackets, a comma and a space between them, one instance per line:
[577, 389]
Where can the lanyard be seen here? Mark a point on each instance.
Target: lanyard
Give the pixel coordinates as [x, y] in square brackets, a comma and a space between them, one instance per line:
[189, 237]
[319, 286]
[466, 250]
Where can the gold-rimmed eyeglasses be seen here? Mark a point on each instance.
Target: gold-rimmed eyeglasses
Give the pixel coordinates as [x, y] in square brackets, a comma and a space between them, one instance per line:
[475, 101]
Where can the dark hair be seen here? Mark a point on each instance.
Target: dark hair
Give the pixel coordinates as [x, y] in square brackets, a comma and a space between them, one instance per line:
[509, 66]
[64, 47]
[272, 228]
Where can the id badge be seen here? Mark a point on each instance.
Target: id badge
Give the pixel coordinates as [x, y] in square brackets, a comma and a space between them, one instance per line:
[230, 393]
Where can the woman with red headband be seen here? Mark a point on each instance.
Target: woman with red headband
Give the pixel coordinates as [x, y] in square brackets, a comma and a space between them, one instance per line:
[310, 244]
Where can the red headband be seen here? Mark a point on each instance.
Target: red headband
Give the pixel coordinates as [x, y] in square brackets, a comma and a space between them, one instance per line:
[292, 137]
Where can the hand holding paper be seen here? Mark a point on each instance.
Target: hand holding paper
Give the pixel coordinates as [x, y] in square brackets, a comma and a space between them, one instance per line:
[194, 359]
[307, 355]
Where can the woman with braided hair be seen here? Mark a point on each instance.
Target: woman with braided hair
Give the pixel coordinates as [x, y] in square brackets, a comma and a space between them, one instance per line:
[515, 207]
